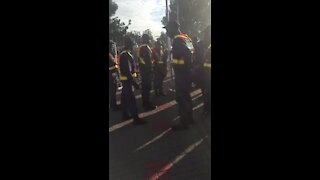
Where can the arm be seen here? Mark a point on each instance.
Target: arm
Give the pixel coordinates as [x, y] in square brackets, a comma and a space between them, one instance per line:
[124, 66]
[133, 79]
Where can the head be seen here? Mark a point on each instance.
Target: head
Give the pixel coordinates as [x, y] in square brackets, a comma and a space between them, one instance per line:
[158, 44]
[173, 28]
[128, 43]
[145, 39]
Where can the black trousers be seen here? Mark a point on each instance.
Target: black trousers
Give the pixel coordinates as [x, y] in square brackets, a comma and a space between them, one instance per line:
[128, 100]
[145, 85]
[207, 91]
[159, 75]
[183, 83]
[198, 78]
[112, 91]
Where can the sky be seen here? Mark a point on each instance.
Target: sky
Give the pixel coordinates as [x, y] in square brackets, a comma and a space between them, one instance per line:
[144, 14]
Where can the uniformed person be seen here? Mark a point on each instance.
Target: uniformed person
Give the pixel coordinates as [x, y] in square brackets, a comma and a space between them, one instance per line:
[160, 68]
[113, 79]
[145, 58]
[182, 50]
[127, 75]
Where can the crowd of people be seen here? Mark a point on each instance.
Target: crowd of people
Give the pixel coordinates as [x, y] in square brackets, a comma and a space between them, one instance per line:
[190, 60]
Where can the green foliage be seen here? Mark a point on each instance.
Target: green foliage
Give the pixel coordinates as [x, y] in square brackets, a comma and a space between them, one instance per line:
[194, 15]
[112, 8]
[149, 32]
[117, 29]
[135, 35]
[163, 38]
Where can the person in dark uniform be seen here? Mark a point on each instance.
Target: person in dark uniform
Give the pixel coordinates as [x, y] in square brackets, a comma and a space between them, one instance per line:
[127, 75]
[113, 79]
[145, 59]
[207, 70]
[182, 50]
[160, 68]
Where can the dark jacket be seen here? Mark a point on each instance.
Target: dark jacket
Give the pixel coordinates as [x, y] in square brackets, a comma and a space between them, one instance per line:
[160, 59]
[126, 65]
[182, 50]
[145, 58]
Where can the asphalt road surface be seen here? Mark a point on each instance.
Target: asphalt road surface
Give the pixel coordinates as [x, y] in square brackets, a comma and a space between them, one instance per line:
[154, 151]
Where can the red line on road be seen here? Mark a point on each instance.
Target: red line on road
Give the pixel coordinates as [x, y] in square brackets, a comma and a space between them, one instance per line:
[168, 166]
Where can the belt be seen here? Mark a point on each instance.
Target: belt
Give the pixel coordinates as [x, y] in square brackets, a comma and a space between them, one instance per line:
[207, 65]
[142, 61]
[177, 61]
[123, 78]
[112, 68]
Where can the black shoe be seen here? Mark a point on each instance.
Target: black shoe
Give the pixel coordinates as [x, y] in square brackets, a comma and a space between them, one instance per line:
[180, 126]
[139, 121]
[162, 93]
[149, 107]
[116, 108]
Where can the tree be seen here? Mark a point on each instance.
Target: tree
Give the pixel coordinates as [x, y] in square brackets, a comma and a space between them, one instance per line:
[194, 15]
[148, 31]
[163, 38]
[112, 8]
[117, 29]
[136, 36]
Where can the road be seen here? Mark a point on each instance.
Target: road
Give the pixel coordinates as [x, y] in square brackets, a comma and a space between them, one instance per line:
[154, 151]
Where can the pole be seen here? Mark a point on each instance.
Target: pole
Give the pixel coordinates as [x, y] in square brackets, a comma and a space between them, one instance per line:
[169, 52]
